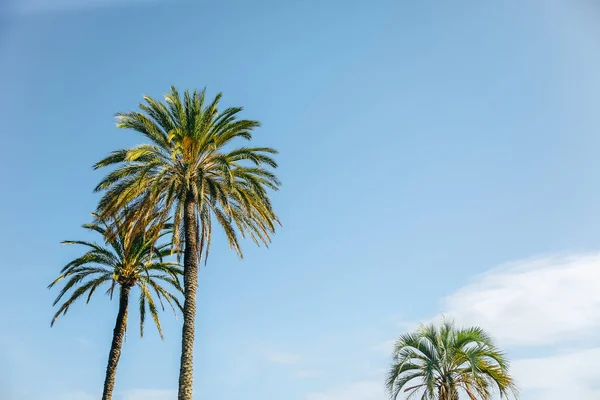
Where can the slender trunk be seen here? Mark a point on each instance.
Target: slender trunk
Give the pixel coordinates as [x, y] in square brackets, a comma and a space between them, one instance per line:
[447, 392]
[117, 343]
[190, 283]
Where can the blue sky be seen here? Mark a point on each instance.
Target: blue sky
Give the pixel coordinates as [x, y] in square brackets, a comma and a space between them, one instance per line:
[436, 158]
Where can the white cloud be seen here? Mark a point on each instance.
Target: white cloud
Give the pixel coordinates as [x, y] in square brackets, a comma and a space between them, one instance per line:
[572, 375]
[280, 357]
[308, 373]
[150, 394]
[366, 390]
[552, 302]
[86, 343]
[533, 302]
[548, 304]
[77, 395]
[385, 347]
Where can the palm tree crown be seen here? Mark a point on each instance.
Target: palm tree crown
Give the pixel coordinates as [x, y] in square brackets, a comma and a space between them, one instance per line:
[187, 160]
[441, 362]
[125, 262]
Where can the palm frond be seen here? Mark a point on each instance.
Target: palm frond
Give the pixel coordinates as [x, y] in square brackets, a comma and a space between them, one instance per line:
[125, 260]
[187, 157]
[440, 361]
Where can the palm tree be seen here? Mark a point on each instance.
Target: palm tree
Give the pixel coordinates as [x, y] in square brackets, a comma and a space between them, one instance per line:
[189, 169]
[441, 362]
[126, 263]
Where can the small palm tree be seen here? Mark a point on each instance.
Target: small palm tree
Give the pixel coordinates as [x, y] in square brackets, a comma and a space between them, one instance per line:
[126, 263]
[441, 362]
[190, 170]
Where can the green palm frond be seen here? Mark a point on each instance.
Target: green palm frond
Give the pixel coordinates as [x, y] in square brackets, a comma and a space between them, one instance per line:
[442, 361]
[134, 260]
[188, 157]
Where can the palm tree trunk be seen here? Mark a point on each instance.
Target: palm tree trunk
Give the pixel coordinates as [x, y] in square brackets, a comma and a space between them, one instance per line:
[190, 283]
[447, 392]
[117, 343]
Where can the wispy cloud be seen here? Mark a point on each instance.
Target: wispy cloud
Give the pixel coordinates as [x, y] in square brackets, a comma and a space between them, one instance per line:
[365, 390]
[86, 343]
[280, 357]
[133, 394]
[149, 394]
[533, 302]
[76, 395]
[544, 304]
[385, 347]
[308, 373]
[572, 375]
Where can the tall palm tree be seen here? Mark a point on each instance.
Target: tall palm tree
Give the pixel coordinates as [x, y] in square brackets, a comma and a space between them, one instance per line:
[190, 169]
[442, 362]
[126, 262]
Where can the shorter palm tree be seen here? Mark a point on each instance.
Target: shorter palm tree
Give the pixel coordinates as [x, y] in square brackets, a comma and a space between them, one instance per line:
[125, 262]
[442, 362]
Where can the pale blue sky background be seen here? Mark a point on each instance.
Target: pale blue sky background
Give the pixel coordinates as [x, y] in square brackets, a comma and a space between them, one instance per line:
[422, 143]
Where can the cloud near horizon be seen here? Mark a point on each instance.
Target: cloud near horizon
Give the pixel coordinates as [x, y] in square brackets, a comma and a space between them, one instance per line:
[150, 394]
[535, 302]
[307, 373]
[365, 390]
[569, 375]
[547, 304]
[280, 357]
[133, 394]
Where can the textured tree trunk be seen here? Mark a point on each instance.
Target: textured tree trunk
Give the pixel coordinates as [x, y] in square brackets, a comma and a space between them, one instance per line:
[117, 343]
[190, 283]
[447, 392]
